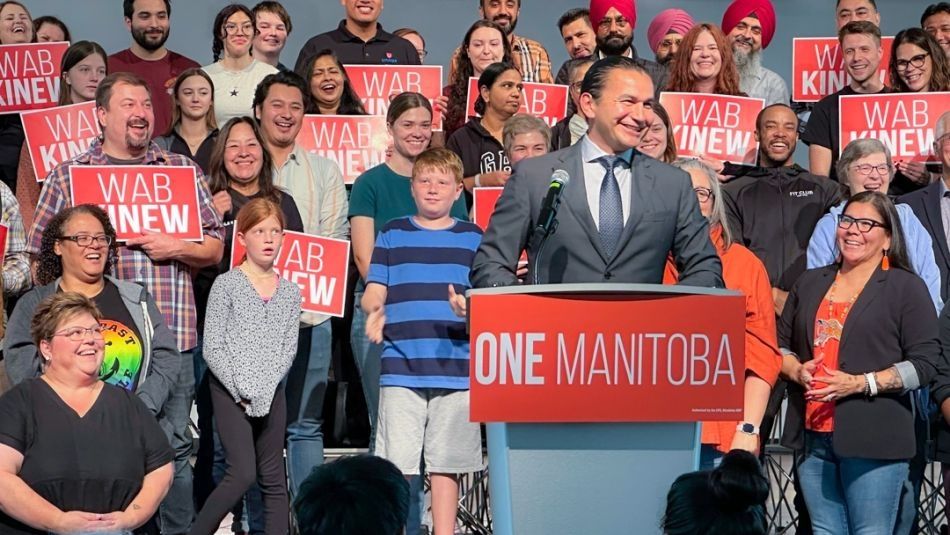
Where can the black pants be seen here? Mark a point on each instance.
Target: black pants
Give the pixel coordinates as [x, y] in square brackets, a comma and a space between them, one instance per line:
[254, 449]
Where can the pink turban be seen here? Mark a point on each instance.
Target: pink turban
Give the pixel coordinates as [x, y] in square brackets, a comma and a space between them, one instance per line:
[668, 21]
[740, 9]
[599, 9]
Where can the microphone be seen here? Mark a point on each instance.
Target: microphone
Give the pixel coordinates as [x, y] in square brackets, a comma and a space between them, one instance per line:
[546, 219]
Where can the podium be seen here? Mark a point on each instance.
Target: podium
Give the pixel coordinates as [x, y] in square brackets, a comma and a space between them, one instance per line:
[591, 394]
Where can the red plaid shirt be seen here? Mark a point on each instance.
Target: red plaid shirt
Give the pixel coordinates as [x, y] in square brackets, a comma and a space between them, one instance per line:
[168, 281]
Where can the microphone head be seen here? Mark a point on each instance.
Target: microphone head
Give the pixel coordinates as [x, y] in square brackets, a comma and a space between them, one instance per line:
[560, 176]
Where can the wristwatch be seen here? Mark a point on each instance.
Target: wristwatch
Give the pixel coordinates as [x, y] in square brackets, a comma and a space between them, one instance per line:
[747, 428]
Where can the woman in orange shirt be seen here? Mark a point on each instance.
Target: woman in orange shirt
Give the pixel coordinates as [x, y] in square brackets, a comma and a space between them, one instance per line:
[741, 271]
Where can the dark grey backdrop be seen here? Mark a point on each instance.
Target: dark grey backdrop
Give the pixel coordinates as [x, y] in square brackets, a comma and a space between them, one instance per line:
[443, 22]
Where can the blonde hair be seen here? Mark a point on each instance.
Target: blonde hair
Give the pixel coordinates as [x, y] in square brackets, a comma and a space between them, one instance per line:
[57, 308]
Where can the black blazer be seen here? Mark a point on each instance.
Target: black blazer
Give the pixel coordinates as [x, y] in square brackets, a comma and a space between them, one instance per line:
[892, 320]
[561, 134]
[926, 206]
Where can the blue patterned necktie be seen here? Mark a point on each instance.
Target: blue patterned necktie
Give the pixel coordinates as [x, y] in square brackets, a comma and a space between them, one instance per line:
[611, 209]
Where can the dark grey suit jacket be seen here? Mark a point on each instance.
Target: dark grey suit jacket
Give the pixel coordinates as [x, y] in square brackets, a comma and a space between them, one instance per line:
[664, 217]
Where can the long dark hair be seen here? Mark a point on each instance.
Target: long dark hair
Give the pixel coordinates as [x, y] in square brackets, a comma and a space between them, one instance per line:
[728, 500]
[210, 122]
[49, 265]
[77, 52]
[882, 204]
[939, 73]
[458, 92]
[487, 79]
[217, 30]
[218, 177]
[350, 103]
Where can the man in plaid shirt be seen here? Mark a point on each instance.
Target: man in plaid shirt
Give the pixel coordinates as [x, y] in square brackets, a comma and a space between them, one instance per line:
[161, 263]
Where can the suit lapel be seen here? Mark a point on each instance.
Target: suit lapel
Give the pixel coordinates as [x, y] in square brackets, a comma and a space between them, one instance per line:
[934, 214]
[575, 195]
[870, 291]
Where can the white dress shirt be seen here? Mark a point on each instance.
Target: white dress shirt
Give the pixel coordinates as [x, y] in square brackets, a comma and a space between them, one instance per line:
[594, 173]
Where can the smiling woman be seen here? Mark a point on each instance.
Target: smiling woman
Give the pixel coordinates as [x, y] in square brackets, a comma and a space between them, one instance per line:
[704, 64]
[235, 73]
[330, 86]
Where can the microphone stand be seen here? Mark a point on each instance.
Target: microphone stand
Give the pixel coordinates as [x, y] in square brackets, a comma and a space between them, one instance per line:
[541, 241]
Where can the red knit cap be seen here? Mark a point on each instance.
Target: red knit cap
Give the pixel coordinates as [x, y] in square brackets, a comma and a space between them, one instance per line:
[740, 9]
[599, 8]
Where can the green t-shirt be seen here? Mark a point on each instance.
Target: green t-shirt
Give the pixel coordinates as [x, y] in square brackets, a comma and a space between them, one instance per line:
[384, 195]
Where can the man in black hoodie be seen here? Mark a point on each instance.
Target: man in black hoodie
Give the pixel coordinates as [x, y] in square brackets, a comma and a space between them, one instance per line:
[774, 207]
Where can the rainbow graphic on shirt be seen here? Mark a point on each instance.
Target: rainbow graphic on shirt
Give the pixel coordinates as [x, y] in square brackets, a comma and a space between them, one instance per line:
[122, 361]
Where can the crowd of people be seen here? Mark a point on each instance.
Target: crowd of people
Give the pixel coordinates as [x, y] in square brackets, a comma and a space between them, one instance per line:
[844, 265]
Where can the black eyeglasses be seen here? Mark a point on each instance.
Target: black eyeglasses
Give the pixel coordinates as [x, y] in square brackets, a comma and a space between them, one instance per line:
[703, 194]
[845, 222]
[916, 62]
[85, 240]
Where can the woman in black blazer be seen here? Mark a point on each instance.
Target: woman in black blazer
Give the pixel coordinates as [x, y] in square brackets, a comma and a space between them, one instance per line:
[857, 337]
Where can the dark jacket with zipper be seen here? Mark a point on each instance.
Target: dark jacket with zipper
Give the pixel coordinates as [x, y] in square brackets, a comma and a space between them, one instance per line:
[892, 321]
[773, 212]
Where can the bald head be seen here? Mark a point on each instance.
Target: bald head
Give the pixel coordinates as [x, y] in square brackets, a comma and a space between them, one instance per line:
[943, 125]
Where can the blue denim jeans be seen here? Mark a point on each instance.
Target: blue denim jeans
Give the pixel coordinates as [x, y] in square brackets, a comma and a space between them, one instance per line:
[849, 495]
[177, 510]
[367, 355]
[306, 388]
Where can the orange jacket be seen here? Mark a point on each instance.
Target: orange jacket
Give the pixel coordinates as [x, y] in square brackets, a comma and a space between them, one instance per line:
[744, 272]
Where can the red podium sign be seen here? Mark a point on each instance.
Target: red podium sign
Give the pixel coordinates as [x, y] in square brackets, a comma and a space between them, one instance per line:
[606, 358]
[904, 122]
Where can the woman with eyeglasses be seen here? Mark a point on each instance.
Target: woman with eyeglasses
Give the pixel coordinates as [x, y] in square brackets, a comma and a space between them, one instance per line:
[744, 272]
[77, 454]
[236, 73]
[858, 337]
[917, 65]
[866, 165]
[77, 254]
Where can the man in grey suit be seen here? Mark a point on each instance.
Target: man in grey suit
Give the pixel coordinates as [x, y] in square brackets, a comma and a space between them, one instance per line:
[621, 212]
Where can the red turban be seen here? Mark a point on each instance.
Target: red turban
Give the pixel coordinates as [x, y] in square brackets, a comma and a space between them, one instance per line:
[668, 21]
[740, 9]
[599, 9]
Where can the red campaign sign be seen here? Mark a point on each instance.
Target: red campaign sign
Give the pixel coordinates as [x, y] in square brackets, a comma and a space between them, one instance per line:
[317, 264]
[818, 67]
[904, 122]
[55, 135]
[141, 198]
[544, 101]
[714, 126]
[377, 84]
[484, 203]
[580, 358]
[30, 76]
[355, 142]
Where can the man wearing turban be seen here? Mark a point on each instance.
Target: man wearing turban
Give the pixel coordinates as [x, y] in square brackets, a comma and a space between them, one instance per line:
[750, 27]
[666, 31]
[614, 22]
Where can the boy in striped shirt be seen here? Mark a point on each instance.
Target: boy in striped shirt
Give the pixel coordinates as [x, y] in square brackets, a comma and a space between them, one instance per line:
[418, 263]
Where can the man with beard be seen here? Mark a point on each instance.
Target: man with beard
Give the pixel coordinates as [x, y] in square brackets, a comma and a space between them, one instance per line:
[161, 263]
[750, 25]
[862, 52]
[579, 39]
[936, 22]
[149, 21]
[359, 40]
[614, 22]
[528, 56]
[666, 32]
